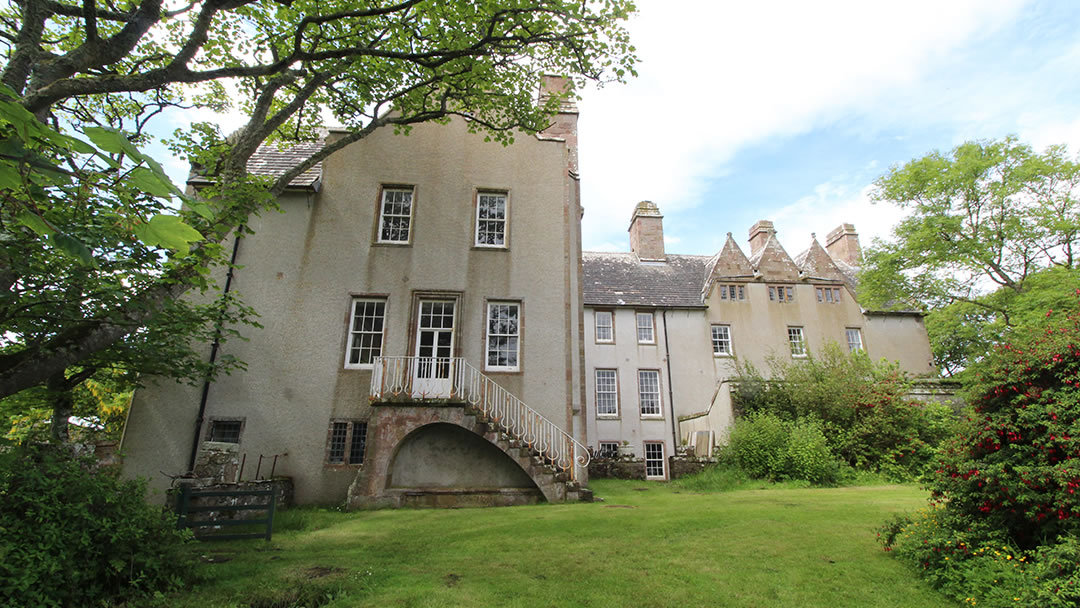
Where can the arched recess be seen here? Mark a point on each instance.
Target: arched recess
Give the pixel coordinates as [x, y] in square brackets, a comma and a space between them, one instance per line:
[447, 456]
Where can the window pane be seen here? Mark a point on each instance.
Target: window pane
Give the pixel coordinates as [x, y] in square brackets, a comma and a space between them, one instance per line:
[645, 327]
[365, 331]
[503, 335]
[491, 219]
[226, 431]
[607, 393]
[654, 459]
[649, 392]
[854, 339]
[395, 215]
[603, 327]
[607, 449]
[336, 452]
[359, 441]
[721, 339]
[795, 338]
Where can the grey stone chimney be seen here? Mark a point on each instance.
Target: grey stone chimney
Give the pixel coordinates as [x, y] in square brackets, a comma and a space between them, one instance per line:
[759, 233]
[647, 232]
[842, 243]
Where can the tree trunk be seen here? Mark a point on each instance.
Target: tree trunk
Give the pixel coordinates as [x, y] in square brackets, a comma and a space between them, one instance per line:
[63, 402]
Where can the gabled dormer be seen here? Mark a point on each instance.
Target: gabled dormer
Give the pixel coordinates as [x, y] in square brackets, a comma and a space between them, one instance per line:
[729, 264]
[768, 258]
[816, 264]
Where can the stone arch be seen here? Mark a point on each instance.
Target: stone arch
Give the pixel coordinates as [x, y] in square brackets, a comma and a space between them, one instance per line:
[393, 427]
[448, 456]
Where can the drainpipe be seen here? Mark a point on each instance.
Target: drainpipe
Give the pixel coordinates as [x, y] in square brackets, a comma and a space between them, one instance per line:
[670, 393]
[213, 355]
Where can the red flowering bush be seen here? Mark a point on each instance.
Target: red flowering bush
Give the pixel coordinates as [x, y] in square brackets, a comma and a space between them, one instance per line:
[1015, 467]
[1006, 492]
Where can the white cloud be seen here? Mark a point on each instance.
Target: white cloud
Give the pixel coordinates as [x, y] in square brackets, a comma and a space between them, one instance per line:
[717, 76]
[834, 203]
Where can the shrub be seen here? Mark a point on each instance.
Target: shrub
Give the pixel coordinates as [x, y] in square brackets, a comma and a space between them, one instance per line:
[868, 419]
[766, 447]
[759, 445]
[74, 536]
[1004, 520]
[808, 454]
[1016, 465]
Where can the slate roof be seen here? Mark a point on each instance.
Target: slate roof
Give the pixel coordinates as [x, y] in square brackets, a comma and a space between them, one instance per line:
[274, 162]
[619, 279]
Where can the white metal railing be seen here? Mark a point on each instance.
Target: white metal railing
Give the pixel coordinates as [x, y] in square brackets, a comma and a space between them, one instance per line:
[452, 378]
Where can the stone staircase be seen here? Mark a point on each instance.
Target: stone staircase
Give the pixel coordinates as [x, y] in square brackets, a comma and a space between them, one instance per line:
[556, 485]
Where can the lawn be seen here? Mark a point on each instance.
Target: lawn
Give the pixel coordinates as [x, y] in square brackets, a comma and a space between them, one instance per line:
[645, 544]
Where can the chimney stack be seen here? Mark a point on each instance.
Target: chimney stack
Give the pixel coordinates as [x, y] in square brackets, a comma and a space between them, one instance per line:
[564, 124]
[759, 233]
[647, 232]
[842, 243]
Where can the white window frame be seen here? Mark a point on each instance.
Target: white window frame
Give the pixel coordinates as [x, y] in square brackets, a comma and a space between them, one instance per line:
[613, 392]
[512, 333]
[719, 341]
[646, 395]
[853, 345]
[651, 460]
[797, 342]
[387, 192]
[499, 224]
[607, 449]
[649, 328]
[355, 333]
[610, 326]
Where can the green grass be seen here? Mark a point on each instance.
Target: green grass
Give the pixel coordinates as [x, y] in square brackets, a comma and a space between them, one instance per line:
[644, 545]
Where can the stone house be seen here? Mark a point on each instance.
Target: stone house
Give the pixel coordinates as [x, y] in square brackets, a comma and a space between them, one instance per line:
[662, 330]
[433, 335]
[421, 305]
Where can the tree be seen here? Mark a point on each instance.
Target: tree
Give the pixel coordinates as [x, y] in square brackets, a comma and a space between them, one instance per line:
[992, 235]
[94, 258]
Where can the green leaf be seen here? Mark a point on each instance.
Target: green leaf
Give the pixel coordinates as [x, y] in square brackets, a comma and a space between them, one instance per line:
[35, 222]
[112, 141]
[167, 231]
[202, 209]
[10, 179]
[73, 247]
[151, 182]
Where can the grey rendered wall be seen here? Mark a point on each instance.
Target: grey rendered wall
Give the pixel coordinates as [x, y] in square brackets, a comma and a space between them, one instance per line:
[303, 266]
[758, 331]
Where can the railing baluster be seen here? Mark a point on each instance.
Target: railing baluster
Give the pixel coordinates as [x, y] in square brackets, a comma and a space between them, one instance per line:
[397, 376]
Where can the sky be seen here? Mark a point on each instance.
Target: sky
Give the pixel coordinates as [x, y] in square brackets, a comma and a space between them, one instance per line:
[789, 111]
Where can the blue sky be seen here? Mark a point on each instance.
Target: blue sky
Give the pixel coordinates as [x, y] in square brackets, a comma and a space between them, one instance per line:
[789, 110]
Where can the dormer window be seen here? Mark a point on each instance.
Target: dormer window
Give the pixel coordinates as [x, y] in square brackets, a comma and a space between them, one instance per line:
[732, 292]
[828, 295]
[781, 293]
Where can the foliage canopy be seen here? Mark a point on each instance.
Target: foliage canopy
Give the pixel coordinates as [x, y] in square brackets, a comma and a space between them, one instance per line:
[992, 233]
[94, 254]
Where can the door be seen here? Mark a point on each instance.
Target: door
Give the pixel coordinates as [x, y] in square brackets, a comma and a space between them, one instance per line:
[433, 371]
